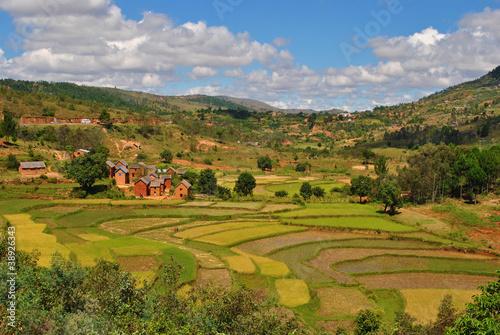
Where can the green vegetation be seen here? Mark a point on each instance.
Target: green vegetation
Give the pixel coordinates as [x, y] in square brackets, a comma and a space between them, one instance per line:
[365, 223]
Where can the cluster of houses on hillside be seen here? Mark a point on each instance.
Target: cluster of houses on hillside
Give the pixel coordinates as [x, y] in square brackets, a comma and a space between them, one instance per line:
[147, 183]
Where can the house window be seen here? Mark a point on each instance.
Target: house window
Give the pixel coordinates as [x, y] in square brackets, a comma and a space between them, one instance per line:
[120, 175]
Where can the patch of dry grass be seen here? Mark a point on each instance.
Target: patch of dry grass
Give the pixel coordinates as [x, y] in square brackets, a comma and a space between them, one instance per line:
[424, 303]
[337, 301]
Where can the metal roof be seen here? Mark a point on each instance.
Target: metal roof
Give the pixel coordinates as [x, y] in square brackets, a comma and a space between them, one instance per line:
[32, 165]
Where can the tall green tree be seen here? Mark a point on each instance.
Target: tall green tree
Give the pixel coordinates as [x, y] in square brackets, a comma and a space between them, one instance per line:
[483, 315]
[367, 322]
[87, 169]
[361, 186]
[264, 163]
[389, 193]
[245, 184]
[166, 156]
[8, 127]
[208, 182]
[381, 166]
[306, 190]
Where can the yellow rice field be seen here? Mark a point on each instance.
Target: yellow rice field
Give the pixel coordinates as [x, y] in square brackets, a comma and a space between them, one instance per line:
[292, 292]
[30, 236]
[424, 303]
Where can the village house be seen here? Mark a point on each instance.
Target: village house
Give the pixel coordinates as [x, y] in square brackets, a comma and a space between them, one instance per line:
[121, 175]
[136, 171]
[141, 187]
[151, 186]
[182, 190]
[171, 171]
[155, 188]
[79, 152]
[32, 168]
[180, 172]
[167, 182]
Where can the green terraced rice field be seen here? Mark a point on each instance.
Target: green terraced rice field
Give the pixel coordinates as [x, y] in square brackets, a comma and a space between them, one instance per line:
[379, 264]
[228, 238]
[314, 210]
[129, 226]
[88, 217]
[244, 205]
[292, 188]
[364, 223]
[216, 228]
[88, 252]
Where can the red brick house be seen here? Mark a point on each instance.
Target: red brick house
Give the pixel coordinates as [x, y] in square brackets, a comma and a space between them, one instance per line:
[32, 168]
[182, 190]
[171, 171]
[156, 188]
[136, 171]
[166, 182]
[141, 187]
[180, 172]
[121, 175]
[121, 162]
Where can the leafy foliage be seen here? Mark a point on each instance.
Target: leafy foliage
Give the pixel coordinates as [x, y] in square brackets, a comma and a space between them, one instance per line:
[207, 182]
[166, 156]
[483, 315]
[306, 191]
[245, 184]
[88, 168]
[361, 186]
[264, 163]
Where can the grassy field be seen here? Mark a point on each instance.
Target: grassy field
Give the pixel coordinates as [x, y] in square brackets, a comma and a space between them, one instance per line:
[293, 188]
[361, 223]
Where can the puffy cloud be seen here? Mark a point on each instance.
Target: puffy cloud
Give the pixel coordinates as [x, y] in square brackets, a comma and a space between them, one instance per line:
[235, 73]
[93, 38]
[202, 72]
[282, 42]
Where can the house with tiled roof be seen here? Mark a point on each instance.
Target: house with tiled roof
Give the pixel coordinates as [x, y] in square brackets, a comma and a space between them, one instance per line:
[111, 167]
[182, 190]
[121, 175]
[32, 168]
[141, 187]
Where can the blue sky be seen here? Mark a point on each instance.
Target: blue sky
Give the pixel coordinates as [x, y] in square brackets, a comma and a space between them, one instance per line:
[317, 54]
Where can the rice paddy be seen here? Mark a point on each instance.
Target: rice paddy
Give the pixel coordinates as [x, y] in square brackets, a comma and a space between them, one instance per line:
[284, 249]
[336, 301]
[329, 210]
[424, 303]
[360, 223]
[292, 292]
[30, 236]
